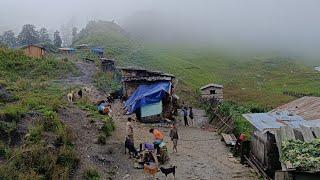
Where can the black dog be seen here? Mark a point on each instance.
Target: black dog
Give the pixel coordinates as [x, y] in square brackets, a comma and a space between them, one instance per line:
[167, 171]
[130, 146]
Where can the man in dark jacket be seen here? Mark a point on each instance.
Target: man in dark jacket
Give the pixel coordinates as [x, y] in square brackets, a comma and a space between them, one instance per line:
[174, 137]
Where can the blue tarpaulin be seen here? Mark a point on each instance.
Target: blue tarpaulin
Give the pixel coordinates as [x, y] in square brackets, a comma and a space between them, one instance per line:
[98, 51]
[147, 94]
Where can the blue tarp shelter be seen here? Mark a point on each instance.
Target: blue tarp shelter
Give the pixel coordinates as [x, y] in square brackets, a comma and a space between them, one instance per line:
[146, 95]
[97, 50]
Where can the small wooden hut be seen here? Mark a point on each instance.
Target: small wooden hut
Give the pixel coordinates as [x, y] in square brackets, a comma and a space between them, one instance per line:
[108, 65]
[34, 51]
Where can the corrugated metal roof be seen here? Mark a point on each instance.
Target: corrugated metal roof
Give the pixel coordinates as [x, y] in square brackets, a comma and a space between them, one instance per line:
[211, 85]
[265, 121]
[306, 107]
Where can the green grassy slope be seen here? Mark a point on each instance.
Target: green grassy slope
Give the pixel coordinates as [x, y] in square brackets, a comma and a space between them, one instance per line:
[34, 108]
[261, 80]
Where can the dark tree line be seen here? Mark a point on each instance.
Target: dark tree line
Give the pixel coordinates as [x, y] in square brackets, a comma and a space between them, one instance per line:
[30, 35]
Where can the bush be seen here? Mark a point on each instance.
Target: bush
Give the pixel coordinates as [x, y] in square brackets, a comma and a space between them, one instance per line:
[102, 139]
[67, 158]
[108, 126]
[91, 174]
[35, 134]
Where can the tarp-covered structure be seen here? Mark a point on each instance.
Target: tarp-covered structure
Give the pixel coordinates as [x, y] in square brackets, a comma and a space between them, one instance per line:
[147, 95]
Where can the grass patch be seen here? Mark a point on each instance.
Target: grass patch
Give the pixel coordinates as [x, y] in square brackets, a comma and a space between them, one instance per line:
[91, 174]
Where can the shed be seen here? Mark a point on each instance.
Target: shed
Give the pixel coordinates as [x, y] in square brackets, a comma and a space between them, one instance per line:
[107, 64]
[82, 46]
[67, 51]
[146, 83]
[298, 115]
[34, 51]
[98, 51]
[212, 92]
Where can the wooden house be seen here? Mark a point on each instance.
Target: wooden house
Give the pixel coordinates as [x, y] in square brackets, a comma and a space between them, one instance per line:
[301, 118]
[108, 65]
[34, 51]
[212, 92]
[133, 78]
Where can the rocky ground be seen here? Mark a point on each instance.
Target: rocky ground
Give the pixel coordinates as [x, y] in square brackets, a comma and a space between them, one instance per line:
[201, 154]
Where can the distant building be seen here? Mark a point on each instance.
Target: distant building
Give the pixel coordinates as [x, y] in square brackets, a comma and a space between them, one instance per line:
[34, 51]
[82, 46]
[67, 51]
[107, 64]
[97, 51]
[212, 92]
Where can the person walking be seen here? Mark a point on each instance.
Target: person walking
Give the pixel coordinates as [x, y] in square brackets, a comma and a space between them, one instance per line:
[191, 116]
[174, 137]
[185, 116]
[129, 129]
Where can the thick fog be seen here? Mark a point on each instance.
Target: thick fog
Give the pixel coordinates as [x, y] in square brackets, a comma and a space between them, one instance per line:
[277, 25]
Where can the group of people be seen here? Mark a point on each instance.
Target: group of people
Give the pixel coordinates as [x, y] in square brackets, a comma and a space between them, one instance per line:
[158, 136]
[104, 108]
[187, 112]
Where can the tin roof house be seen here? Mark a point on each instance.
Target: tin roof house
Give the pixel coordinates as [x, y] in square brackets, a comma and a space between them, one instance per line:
[299, 119]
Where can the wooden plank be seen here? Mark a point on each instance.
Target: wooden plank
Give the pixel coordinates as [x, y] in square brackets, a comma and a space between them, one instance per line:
[282, 175]
[306, 133]
[287, 133]
[228, 139]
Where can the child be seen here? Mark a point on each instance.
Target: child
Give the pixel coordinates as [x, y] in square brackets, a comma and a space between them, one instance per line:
[174, 137]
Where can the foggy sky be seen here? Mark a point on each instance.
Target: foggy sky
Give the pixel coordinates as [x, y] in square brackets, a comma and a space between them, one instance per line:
[291, 25]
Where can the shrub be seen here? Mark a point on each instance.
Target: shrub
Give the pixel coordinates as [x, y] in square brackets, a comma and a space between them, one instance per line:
[108, 126]
[35, 133]
[67, 158]
[102, 139]
[91, 174]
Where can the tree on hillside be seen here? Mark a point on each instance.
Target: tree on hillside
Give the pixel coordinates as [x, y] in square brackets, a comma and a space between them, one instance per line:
[9, 38]
[28, 35]
[57, 39]
[74, 33]
[44, 36]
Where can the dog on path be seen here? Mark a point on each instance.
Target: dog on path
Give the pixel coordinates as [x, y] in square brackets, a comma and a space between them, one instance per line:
[70, 96]
[130, 146]
[167, 171]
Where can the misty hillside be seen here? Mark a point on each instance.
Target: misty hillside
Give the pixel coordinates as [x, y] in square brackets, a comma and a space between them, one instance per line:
[266, 80]
[105, 34]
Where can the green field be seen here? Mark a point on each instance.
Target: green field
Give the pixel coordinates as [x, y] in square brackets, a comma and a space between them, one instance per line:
[264, 80]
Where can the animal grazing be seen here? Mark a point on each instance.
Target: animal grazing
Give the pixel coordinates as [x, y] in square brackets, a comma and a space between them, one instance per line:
[130, 146]
[167, 171]
[80, 93]
[70, 96]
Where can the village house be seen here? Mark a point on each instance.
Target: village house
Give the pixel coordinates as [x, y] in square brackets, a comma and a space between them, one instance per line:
[108, 65]
[149, 93]
[299, 119]
[212, 92]
[33, 51]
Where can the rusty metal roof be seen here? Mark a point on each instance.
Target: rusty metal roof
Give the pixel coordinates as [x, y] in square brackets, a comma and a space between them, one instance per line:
[211, 85]
[306, 107]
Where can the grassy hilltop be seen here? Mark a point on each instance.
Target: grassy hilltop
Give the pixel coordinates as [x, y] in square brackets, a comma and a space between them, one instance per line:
[248, 79]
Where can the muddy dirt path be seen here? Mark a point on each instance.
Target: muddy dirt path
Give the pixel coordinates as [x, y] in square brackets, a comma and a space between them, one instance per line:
[201, 154]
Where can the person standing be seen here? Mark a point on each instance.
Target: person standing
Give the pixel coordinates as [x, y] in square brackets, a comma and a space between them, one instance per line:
[129, 129]
[174, 137]
[185, 116]
[158, 138]
[191, 115]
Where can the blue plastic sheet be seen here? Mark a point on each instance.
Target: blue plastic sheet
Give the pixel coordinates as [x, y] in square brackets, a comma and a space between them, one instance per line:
[147, 94]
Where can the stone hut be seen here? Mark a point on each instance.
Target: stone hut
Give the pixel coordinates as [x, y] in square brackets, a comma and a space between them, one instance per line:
[212, 92]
